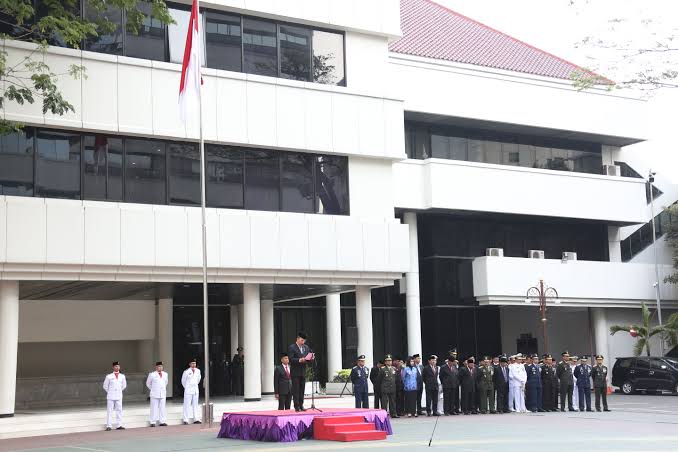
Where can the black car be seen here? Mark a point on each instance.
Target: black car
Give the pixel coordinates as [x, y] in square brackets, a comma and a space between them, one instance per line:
[645, 373]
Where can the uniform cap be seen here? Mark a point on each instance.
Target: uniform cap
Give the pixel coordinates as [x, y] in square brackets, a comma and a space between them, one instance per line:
[503, 359]
[388, 358]
[452, 352]
[158, 363]
[470, 359]
[301, 334]
[432, 357]
[115, 363]
[574, 358]
[584, 357]
[599, 356]
[535, 356]
[548, 356]
[361, 357]
[193, 360]
[565, 353]
[486, 358]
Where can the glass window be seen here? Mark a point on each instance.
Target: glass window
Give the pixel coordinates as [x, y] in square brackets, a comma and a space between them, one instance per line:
[422, 143]
[149, 42]
[542, 157]
[44, 8]
[295, 52]
[57, 166]
[642, 363]
[105, 42]
[145, 171]
[176, 34]
[492, 152]
[262, 180]
[476, 151]
[260, 47]
[224, 176]
[458, 148]
[440, 147]
[223, 41]
[328, 58]
[527, 155]
[184, 171]
[297, 182]
[102, 167]
[16, 163]
[510, 155]
[332, 184]
[624, 363]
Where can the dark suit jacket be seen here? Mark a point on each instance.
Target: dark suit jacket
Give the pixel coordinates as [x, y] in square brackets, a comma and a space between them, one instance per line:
[298, 369]
[430, 376]
[374, 378]
[467, 379]
[499, 381]
[359, 379]
[281, 383]
[449, 377]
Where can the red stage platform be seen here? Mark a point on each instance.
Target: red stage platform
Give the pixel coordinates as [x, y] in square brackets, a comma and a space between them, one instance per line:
[347, 424]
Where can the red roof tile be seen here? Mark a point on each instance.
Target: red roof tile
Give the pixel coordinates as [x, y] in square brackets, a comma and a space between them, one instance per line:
[433, 31]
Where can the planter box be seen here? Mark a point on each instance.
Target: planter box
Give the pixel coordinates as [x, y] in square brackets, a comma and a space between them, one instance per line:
[310, 386]
[336, 388]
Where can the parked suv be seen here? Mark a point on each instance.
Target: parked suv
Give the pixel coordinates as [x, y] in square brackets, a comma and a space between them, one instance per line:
[645, 373]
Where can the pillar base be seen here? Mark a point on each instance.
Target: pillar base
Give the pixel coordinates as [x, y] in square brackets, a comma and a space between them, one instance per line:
[256, 399]
[267, 393]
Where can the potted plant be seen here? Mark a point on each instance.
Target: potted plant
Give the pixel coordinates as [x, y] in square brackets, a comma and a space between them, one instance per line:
[336, 386]
[310, 382]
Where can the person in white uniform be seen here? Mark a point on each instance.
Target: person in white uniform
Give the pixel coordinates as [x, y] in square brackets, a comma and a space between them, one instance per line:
[190, 381]
[114, 384]
[157, 384]
[575, 393]
[517, 380]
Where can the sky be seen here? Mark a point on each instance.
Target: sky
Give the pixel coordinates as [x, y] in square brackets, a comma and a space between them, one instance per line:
[582, 31]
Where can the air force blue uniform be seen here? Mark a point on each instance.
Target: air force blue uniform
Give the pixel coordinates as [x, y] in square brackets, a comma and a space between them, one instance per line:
[359, 376]
[533, 387]
[583, 375]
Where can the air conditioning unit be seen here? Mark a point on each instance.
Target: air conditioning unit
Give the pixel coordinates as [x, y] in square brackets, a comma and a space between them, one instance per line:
[497, 252]
[535, 254]
[569, 256]
[611, 170]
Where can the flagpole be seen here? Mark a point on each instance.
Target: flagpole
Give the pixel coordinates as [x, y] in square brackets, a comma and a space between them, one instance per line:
[203, 168]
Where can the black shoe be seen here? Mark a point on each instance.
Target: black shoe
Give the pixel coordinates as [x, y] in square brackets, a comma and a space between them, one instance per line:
[466, 413]
[589, 411]
[493, 412]
[454, 413]
[163, 425]
[297, 410]
[152, 425]
[541, 411]
[302, 409]
[108, 429]
[184, 422]
[395, 417]
[608, 410]
[120, 428]
[436, 414]
[428, 414]
[562, 410]
[197, 422]
[571, 409]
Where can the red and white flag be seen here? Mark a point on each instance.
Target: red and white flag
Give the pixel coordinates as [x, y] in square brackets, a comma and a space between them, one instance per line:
[191, 79]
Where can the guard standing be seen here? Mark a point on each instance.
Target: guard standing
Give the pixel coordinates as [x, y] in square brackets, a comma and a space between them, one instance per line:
[238, 372]
[387, 383]
[485, 381]
[599, 375]
[282, 382]
[157, 382]
[564, 373]
[114, 384]
[533, 386]
[190, 381]
[360, 387]
[583, 374]
[548, 382]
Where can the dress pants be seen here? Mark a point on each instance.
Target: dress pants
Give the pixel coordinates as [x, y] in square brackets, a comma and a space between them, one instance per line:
[431, 401]
[486, 395]
[191, 407]
[468, 401]
[584, 398]
[516, 399]
[533, 395]
[377, 399]
[388, 403]
[362, 399]
[111, 406]
[575, 395]
[601, 393]
[547, 397]
[420, 392]
[451, 400]
[298, 386]
[411, 402]
[502, 399]
[284, 401]
[158, 412]
[566, 394]
[400, 402]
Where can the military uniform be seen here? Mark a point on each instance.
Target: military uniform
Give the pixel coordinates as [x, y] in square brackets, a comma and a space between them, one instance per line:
[359, 377]
[485, 382]
[599, 375]
[583, 375]
[533, 387]
[387, 382]
[549, 383]
[564, 373]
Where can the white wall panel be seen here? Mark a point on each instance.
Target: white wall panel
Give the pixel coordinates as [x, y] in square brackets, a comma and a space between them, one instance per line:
[394, 129]
[294, 241]
[137, 228]
[65, 232]
[370, 120]
[234, 239]
[100, 92]
[371, 188]
[343, 12]
[135, 96]
[261, 114]
[318, 120]
[322, 243]
[349, 244]
[70, 87]
[291, 117]
[292, 8]
[3, 229]
[194, 240]
[26, 230]
[315, 10]
[345, 117]
[264, 240]
[375, 246]
[171, 236]
[31, 113]
[102, 233]
[232, 116]
[398, 246]
[165, 83]
[367, 63]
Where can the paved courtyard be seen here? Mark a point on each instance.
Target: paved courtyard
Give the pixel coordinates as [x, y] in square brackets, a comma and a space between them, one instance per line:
[639, 422]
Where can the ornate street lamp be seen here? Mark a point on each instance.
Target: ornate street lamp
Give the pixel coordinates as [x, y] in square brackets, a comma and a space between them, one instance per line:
[541, 293]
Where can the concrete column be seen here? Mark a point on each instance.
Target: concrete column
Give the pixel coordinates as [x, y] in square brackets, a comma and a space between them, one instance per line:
[235, 332]
[9, 342]
[412, 304]
[252, 341]
[363, 314]
[333, 326]
[600, 333]
[614, 243]
[166, 339]
[241, 327]
[268, 358]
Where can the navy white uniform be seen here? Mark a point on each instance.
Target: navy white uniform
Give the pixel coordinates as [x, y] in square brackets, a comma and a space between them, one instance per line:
[359, 378]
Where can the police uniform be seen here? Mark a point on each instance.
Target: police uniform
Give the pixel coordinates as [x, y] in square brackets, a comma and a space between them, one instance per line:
[387, 383]
[599, 375]
[583, 374]
[565, 377]
[114, 384]
[549, 385]
[156, 382]
[533, 386]
[485, 382]
[359, 378]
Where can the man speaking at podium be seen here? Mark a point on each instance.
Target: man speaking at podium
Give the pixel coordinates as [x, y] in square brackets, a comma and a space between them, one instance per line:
[300, 355]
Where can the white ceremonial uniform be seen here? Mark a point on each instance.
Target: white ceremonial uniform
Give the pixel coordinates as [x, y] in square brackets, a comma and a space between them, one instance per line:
[114, 385]
[575, 391]
[441, 401]
[157, 384]
[517, 380]
[190, 380]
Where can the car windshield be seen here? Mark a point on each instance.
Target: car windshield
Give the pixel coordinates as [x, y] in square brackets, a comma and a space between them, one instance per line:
[672, 362]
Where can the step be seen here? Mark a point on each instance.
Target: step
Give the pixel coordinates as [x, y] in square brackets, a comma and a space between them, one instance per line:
[335, 420]
[343, 428]
[366, 435]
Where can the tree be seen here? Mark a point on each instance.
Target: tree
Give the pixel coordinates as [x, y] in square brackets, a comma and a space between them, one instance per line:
[644, 332]
[672, 241]
[30, 79]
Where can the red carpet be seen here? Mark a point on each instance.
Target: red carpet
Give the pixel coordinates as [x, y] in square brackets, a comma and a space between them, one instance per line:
[345, 428]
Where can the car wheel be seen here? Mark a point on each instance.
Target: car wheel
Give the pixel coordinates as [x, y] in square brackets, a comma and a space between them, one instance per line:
[627, 388]
[675, 388]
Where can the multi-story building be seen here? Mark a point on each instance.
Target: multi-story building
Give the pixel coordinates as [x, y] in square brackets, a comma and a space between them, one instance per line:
[362, 160]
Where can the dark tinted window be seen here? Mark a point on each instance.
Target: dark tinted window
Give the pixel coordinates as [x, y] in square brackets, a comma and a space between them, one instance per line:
[297, 182]
[44, 8]
[57, 166]
[642, 363]
[110, 42]
[145, 171]
[224, 176]
[295, 52]
[328, 58]
[184, 183]
[262, 180]
[332, 184]
[149, 42]
[657, 363]
[102, 167]
[624, 363]
[223, 41]
[260, 47]
[16, 163]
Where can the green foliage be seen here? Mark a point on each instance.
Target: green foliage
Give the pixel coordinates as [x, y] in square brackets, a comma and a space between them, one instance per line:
[29, 79]
[672, 240]
[667, 332]
[342, 376]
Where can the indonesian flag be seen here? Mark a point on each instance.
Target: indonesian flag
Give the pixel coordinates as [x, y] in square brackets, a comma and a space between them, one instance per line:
[189, 89]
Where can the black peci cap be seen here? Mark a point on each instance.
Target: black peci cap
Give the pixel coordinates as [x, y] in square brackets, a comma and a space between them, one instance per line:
[158, 363]
[115, 363]
[301, 334]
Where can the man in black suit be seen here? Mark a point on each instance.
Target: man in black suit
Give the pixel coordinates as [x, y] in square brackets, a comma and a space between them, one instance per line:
[430, 376]
[376, 387]
[449, 378]
[282, 382]
[501, 384]
[467, 382]
[297, 353]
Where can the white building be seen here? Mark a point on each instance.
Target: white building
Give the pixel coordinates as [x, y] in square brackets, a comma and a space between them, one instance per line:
[362, 156]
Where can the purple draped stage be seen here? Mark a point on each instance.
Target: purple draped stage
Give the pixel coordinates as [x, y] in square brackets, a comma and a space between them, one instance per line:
[287, 426]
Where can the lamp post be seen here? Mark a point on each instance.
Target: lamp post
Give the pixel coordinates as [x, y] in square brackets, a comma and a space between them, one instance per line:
[541, 293]
[650, 180]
